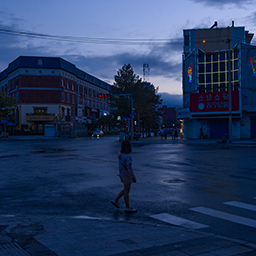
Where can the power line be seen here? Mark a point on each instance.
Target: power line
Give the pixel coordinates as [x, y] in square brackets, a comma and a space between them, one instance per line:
[93, 40]
[110, 41]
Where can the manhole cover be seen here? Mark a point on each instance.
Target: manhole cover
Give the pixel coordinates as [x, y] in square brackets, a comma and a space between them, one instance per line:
[174, 181]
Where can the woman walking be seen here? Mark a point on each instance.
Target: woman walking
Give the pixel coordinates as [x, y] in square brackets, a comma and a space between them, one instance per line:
[126, 175]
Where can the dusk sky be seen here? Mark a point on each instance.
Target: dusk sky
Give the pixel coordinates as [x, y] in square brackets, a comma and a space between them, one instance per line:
[101, 36]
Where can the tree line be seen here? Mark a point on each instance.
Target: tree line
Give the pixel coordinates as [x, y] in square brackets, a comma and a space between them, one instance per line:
[146, 101]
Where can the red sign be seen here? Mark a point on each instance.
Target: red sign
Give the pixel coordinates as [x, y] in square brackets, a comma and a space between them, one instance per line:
[213, 102]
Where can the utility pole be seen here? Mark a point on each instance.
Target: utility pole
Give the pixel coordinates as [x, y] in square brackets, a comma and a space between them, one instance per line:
[129, 96]
[229, 91]
[145, 71]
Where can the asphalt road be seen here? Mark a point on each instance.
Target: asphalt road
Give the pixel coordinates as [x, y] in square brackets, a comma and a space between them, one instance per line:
[206, 186]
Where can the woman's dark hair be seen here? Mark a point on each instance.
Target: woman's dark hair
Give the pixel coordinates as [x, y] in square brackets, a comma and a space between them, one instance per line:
[126, 147]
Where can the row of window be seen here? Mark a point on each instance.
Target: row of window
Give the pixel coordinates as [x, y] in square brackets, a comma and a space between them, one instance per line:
[222, 87]
[68, 98]
[217, 67]
[218, 56]
[213, 71]
[218, 77]
[70, 85]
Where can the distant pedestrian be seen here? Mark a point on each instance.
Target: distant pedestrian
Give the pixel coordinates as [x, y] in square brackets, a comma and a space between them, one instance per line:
[201, 133]
[126, 175]
[161, 133]
[165, 133]
[173, 133]
[176, 133]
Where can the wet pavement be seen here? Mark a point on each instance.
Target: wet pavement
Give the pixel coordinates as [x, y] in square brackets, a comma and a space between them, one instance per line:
[50, 231]
[82, 235]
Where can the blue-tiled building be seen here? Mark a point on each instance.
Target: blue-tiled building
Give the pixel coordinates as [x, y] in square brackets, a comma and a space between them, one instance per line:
[206, 77]
[50, 88]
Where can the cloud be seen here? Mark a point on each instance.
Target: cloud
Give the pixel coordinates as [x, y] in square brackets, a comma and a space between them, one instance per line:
[164, 60]
[221, 3]
[171, 100]
[159, 59]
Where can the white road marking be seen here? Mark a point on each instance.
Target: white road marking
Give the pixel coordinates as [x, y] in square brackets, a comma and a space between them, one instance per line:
[225, 216]
[178, 221]
[242, 205]
[85, 217]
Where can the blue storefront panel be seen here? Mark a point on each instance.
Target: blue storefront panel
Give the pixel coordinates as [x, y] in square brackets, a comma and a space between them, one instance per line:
[218, 127]
[253, 127]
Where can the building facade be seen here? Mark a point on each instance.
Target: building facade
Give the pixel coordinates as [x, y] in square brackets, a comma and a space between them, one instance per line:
[50, 89]
[215, 60]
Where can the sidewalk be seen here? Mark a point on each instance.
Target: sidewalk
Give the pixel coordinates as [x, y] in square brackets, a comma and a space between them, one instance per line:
[85, 236]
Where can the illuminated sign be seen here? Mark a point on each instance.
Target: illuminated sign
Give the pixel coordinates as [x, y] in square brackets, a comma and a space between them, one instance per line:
[252, 64]
[213, 102]
[190, 73]
[104, 95]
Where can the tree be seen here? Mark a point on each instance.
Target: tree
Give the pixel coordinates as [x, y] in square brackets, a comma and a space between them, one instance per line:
[124, 79]
[106, 121]
[145, 98]
[7, 107]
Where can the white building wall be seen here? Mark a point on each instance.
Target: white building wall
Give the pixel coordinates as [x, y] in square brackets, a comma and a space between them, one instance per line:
[191, 127]
[29, 109]
[245, 126]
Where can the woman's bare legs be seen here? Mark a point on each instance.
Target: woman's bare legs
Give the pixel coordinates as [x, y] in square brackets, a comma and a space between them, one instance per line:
[125, 192]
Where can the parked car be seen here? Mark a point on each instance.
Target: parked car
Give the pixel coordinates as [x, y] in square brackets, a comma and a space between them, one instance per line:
[97, 133]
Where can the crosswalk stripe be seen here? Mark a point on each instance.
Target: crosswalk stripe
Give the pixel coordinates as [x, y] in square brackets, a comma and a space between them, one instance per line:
[242, 205]
[225, 216]
[178, 221]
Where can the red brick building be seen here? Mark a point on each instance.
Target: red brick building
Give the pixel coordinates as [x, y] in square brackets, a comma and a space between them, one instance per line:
[169, 114]
[49, 89]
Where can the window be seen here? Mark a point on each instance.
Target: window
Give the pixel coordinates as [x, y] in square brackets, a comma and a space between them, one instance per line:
[222, 56]
[215, 67]
[222, 66]
[215, 57]
[73, 99]
[215, 77]
[213, 71]
[68, 98]
[208, 78]
[201, 78]
[63, 96]
[222, 77]
[208, 68]
[67, 84]
[40, 110]
[208, 57]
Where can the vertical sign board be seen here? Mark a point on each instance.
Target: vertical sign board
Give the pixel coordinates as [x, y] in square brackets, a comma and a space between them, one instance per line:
[213, 102]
